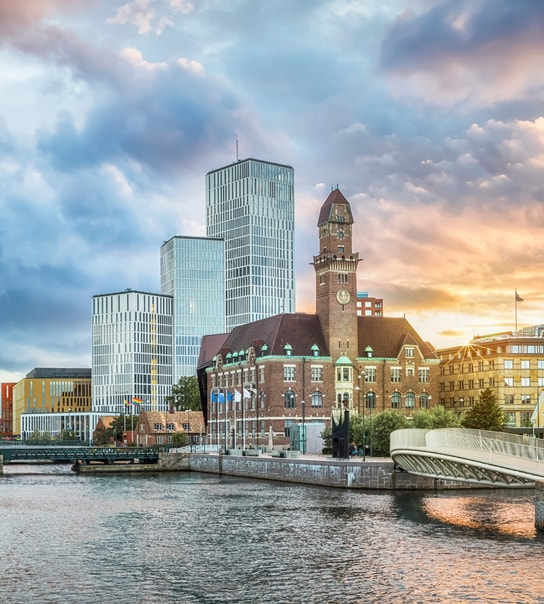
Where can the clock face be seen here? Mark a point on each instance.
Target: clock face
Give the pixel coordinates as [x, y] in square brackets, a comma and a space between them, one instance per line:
[343, 296]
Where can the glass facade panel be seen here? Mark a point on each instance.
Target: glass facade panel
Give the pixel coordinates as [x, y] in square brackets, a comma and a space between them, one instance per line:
[193, 273]
[131, 351]
[250, 204]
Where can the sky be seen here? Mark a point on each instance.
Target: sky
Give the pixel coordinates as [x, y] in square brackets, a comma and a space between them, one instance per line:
[427, 114]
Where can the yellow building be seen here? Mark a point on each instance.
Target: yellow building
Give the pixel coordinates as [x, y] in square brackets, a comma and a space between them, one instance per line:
[511, 364]
[52, 400]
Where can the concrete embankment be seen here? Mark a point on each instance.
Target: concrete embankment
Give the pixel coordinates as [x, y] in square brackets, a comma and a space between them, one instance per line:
[373, 473]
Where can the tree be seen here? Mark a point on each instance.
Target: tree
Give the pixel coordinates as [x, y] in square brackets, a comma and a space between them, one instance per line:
[185, 395]
[382, 425]
[437, 417]
[122, 423]
[485, 414]
[179, 439]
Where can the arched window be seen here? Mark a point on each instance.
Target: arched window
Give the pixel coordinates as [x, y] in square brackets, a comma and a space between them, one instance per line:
[317, 399]
[396, 400]
[410, 400]
[371, 400]
[424, 400]
[290, 398]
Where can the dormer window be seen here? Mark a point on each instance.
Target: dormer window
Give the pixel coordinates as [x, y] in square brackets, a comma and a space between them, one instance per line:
[288, 349]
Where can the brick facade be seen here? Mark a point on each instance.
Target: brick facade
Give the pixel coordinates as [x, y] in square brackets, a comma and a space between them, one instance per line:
[266, 377]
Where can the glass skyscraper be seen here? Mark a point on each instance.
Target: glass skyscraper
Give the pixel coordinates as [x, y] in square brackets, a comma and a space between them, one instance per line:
[131, 352]
[250, 204]
[193, 273]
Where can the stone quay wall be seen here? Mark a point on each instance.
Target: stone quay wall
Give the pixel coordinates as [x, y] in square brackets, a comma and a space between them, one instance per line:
[379, 474]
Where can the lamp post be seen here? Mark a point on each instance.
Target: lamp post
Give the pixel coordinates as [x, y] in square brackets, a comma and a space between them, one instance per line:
[362, 376]
[303, 433]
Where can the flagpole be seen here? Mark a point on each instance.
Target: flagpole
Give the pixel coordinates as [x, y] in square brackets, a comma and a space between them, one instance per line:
[516, 310]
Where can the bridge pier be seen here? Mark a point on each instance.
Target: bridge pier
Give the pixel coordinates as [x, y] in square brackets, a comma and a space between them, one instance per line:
[539, 506]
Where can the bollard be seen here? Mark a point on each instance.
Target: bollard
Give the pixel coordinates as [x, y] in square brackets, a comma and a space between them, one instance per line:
[539, 506]
[1, 465]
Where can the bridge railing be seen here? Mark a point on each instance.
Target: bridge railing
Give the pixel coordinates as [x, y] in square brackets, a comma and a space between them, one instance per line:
[486, 441]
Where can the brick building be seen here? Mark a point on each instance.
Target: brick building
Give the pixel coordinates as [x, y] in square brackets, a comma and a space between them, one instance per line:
[6, 417]
[265, 377]
[510, 363]
[157, 427]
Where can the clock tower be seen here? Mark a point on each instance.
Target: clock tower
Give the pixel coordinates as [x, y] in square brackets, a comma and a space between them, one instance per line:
[336, 276]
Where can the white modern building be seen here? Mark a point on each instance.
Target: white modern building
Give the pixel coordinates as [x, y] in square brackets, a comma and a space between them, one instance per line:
[132, 336]
[250, 204]
[193, 273]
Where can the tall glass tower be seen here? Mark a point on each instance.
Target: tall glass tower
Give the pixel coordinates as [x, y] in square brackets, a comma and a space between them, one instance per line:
[250, 204]
[193, 273]
[131, 352]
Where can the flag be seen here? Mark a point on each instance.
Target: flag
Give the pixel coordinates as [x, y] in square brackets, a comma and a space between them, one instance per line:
[237, 396]
[214, 397]
[221, 397]
[518, 297]
[535, 417]
[247, 393]
[230, 395]
[136, 400]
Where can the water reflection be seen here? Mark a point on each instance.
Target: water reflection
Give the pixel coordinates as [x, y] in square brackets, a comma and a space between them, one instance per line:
[498, 512]
[190, 538]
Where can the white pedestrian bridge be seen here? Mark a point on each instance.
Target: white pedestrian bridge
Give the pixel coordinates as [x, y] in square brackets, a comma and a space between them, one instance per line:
[475, 456]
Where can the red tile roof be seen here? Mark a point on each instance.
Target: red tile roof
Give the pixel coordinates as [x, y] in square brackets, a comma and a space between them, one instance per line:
[387, 335]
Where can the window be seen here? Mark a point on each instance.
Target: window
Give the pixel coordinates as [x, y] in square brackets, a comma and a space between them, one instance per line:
[317, 399]
[371, 400]
[510, 418]
[525, 418]
[525, 381]
[525, 364]
[186, 427]
[370, 375]
[409, 353]
[317, 373]
[396, 375]
[509, 381]
[424, 400]
[342, 278]
[288, 373]
[343, 374]
[396, 400]
[410, 400]
[158, 427]
[525, 399]
[340, 249]
[287, 426]
[290, 399]
[508, 364]
[509, 399]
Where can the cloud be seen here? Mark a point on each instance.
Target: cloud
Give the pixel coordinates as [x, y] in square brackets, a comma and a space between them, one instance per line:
[479, 53]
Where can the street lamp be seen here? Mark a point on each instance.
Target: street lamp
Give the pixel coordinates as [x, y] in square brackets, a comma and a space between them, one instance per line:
[303, 433]
[362, 376]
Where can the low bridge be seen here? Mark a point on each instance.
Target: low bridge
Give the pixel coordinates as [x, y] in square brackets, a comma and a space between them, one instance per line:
[83, 455]
[473, 456]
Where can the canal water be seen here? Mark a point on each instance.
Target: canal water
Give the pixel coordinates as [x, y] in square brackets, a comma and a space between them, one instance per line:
[196, 538]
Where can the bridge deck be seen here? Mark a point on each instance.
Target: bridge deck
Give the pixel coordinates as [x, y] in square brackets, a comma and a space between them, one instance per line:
[470, 456]
[83, 454]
